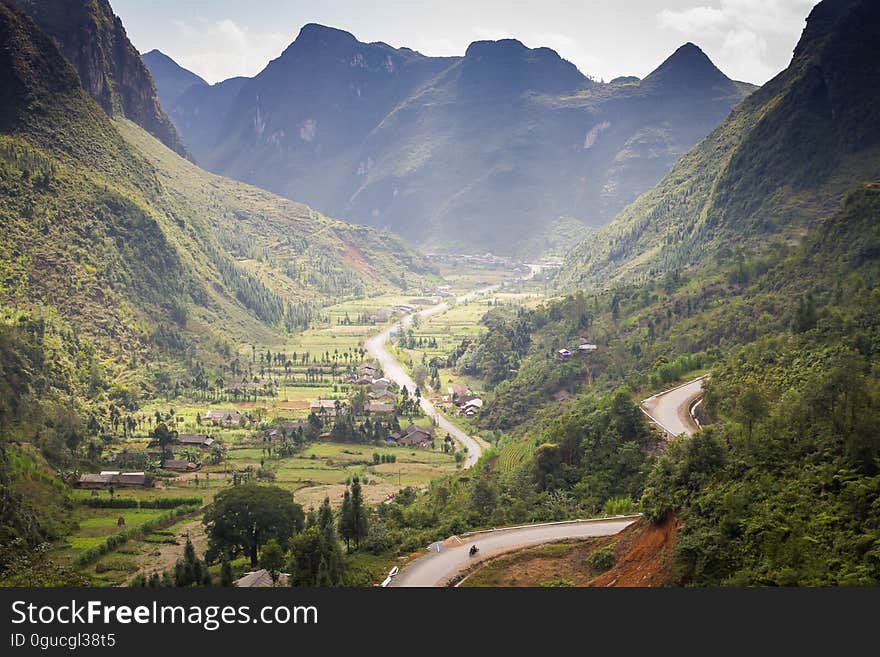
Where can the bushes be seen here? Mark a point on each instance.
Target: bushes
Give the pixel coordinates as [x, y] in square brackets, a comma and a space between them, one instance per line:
[602, 559]
[132, 503]
[170, 502]
[114, 541]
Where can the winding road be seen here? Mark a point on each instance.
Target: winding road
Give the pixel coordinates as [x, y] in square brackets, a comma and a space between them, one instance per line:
[447, 559]
[394, 371]
[671, 410]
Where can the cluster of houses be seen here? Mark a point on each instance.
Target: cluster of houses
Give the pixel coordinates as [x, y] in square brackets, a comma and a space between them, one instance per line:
[584, 347]
[468, 404]
[381, 399]
[119, 479]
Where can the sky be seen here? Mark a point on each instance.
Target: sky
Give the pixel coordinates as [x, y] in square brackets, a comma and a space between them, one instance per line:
[749, 40]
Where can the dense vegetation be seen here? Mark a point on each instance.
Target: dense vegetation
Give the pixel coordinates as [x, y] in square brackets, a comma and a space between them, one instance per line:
[126, 271]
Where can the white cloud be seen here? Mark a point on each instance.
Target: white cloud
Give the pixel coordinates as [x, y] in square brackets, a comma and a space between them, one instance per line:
[568, 48]
[693, 20]
[221, 49]
[738, 32]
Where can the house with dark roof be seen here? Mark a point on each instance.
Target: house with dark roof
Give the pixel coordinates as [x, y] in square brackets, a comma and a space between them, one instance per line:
[413, 436]
[108, 478]
[383, 396]
[380, 407]
[325, 406]
[195, 440]
[223, 416]
[261, 579]
[180, 465]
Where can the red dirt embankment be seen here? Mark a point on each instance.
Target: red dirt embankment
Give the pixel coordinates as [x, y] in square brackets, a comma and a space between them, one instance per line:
[644, 556]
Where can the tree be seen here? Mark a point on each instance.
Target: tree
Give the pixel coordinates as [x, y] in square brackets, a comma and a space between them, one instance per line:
[315, 556]
[358, 513]
[190, 570]
[751, 407]
[345, 528]
[272, 559]
[165, 439]
[243, 518]
[420, 375]
[226, 573]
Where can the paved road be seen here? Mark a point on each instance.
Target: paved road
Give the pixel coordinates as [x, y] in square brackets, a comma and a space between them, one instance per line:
[393, 370]
[436, 568]
[671, 409]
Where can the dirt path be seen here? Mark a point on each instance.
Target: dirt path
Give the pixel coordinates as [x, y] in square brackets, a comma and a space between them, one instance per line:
[158, 557]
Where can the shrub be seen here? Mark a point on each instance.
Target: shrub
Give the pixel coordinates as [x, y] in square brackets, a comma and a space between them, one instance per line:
[602, 559]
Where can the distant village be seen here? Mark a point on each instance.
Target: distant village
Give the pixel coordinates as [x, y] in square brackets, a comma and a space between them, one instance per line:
[373, 399]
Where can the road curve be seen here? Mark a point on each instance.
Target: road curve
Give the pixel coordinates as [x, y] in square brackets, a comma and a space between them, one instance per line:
[671, 409]
[437, 567]
[394, 371]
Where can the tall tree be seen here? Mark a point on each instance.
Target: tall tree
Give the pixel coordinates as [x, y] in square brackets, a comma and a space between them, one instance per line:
[272, 559]
[243, 518]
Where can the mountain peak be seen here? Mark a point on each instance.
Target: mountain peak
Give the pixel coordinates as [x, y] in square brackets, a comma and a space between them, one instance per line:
[314, 32]
[507, 66]
[688, 69]
[499, 48]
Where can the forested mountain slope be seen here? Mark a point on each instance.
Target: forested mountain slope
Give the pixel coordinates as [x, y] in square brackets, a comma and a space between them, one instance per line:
[126, 271]
[782, 486]
[93, 38]
[780, 163]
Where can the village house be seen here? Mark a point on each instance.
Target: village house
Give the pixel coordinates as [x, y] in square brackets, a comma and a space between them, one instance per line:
[471, 407]
[108, 478]
[325, 407]
[369, 370]
[564, 354]
[261, 579]
[380, 385]
[223, 416]
[384, 396]
[380, 407]
[456, 391]
[195, 440]
[413, 436]
[362, 381]
[585, 345]
[179, 465]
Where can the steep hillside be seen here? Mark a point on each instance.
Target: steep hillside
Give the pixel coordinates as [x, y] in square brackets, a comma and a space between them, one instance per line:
[508, 148]
[139, 250]
[781, 162]
[171, 80]
[781, 486]
[92, 37]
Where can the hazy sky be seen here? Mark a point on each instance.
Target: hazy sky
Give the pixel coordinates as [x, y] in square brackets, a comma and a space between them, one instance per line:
[749, 40]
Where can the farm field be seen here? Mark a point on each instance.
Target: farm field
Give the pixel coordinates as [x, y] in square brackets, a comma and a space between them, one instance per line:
[269, 383]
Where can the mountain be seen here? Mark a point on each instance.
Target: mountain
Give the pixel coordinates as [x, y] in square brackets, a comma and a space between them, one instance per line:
[171, 79]
[756, 262]
[111, 236]
[780, 164]
[93, 38]
[508, 148]
[201, 109]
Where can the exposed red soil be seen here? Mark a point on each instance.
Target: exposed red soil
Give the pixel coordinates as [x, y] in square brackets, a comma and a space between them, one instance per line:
[355, 258]
[644, 556]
